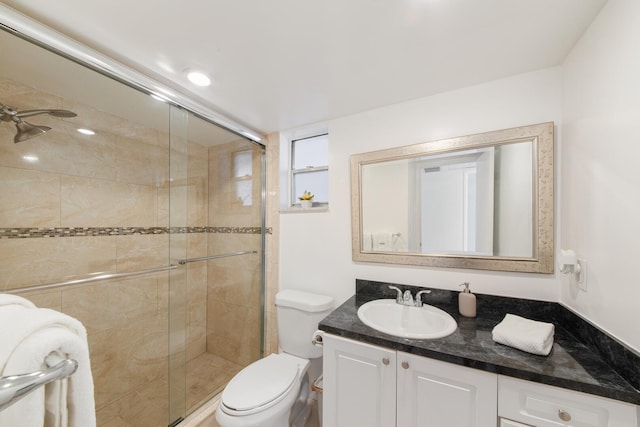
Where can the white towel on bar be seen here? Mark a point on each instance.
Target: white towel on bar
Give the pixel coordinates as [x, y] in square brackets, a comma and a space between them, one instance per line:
[524, 334]
[7, 300]
[28, 336]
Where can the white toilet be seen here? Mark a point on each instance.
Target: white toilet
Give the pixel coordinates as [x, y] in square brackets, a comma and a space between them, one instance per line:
[273, 391]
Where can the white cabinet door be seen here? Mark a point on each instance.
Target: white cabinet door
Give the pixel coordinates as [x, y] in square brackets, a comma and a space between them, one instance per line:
[437, 394]
[359, 384]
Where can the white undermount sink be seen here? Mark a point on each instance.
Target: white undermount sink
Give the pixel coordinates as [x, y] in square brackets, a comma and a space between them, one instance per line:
[426, 322]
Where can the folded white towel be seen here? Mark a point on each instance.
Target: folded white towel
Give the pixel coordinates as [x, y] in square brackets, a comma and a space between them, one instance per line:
[28, 336]
[524, 334]
[7, 300]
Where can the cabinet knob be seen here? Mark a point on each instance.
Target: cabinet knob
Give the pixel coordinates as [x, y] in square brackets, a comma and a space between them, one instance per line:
[405, 365]
[385, 360]
[564, 415]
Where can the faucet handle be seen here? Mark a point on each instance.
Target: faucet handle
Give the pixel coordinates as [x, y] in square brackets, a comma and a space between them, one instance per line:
[399, 296]
[407, 298]
[418, 301]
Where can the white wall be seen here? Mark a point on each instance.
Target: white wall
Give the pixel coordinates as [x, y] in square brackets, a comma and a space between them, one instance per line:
[385, 198]
[315, 248]
[600, 205]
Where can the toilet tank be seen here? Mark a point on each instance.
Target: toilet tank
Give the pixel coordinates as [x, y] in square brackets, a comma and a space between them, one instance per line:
[298, 316]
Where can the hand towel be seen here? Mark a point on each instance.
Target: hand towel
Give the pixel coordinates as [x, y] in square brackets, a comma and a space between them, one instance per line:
[28, 336]
[524, 334]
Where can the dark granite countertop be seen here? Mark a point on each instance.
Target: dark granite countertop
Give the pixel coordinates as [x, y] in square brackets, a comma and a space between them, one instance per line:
[573, 364]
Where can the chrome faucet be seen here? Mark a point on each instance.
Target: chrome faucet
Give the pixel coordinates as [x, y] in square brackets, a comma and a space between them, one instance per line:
[399, 298]
[406, 298]
[418, 301]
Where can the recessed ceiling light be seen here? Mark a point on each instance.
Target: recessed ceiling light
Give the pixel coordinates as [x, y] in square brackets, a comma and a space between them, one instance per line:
[198, 78]
[86, 131]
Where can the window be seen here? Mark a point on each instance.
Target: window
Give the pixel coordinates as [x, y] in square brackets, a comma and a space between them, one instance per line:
[309, 170]
[242, 176]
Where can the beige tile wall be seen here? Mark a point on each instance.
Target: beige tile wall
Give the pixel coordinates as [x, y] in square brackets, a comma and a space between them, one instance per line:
[196, 297]
[38, 207]
[197, 193]
[234, 284]
[272, 243]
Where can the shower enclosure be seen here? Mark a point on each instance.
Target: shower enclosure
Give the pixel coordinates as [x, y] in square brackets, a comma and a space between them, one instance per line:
[143, 220]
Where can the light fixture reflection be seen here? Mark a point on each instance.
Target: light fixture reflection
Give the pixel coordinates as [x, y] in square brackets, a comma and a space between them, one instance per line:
[86, 131]
[251, 136]
[30, 158]
[198, 78]
[159, 97]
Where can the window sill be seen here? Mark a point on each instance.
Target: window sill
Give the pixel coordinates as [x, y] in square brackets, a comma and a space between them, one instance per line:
[299, 210]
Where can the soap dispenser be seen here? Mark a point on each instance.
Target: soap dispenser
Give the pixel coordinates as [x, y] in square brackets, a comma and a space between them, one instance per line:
[466, 302]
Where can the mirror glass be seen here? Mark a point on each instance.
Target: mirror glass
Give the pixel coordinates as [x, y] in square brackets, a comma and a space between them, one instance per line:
[480, 201]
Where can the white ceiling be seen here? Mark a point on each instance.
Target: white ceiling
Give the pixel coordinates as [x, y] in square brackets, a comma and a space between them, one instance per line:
[280, 64]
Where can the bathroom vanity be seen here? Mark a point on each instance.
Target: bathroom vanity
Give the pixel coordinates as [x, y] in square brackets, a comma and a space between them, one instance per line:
[375, 386]
[466, 379]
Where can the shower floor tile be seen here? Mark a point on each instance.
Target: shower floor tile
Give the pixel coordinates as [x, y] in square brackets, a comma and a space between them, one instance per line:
[207, 374]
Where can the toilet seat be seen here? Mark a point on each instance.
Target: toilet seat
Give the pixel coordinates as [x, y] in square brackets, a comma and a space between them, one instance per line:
[260, 385]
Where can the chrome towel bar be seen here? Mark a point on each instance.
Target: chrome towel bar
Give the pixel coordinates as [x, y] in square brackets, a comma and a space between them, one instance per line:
[106, 276]
[15, 387]
[207, 258]
[91, 278]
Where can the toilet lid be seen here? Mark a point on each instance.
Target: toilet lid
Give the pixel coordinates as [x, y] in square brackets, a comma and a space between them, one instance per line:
[260, 383]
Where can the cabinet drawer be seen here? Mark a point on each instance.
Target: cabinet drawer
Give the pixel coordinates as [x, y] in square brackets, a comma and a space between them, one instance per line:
[509, 423]
[546, 406]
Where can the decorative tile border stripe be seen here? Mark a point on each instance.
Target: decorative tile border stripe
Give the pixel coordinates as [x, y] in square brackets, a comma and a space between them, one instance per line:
[31, 233]
[235, 230]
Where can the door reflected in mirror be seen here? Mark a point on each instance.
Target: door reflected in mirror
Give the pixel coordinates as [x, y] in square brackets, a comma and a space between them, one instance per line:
[476, 202]
[480, 201]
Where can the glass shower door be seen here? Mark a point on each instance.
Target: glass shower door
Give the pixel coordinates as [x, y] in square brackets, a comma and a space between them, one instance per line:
[217, 237]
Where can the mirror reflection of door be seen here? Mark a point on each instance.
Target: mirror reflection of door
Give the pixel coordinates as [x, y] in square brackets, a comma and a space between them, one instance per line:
[455, 200]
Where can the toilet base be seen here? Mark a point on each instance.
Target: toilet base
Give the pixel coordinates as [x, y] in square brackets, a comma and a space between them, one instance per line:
[301, 418]
[301, 408]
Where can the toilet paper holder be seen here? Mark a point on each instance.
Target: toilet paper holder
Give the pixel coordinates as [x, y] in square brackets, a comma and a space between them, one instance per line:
[317, 339]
